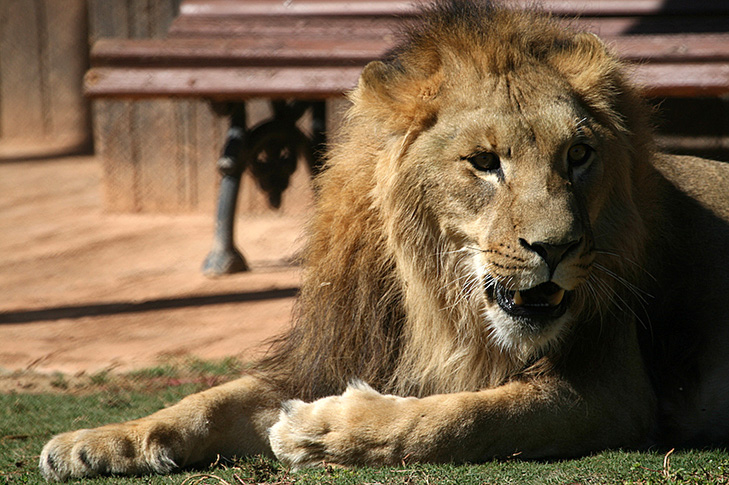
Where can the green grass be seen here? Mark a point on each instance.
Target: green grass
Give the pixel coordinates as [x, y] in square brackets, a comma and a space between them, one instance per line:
[229, 367]
[27, 421]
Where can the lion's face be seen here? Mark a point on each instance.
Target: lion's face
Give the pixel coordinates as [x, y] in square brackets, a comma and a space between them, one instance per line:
[503, 166]
[515, 180]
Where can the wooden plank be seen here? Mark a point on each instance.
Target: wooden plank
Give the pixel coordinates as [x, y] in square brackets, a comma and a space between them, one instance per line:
[625, 7]
[210, 129]
[187, 171]
[123, 19]
[226, 8]
[612, 26]
[294, 51]
[114, 143]
[21, 95]
[159, 155]
[159, 167]
[666, 79]
[199, 139]
[682, 79]
[617, 8]
[67, 111]
[108, 19]
[222, 83]
[388, 7]
[672, 47]
[43, 55]
[255, 51]
[231, 17]
[312, 26]
[140, 22]
[386, 26]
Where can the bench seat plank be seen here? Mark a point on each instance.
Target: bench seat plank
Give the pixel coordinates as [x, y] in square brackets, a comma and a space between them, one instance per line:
[221, 83]
[238, 83]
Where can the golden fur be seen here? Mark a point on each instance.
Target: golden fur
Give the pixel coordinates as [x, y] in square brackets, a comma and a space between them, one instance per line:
[499, 251]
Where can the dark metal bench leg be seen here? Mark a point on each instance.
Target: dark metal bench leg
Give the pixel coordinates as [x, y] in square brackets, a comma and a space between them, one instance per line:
[224, 257]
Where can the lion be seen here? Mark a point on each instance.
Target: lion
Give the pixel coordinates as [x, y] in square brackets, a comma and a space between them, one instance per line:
[500, 262]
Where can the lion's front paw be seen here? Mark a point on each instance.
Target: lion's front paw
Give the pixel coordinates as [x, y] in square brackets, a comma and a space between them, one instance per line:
[354, 428]
[90, 452]
[294, 439]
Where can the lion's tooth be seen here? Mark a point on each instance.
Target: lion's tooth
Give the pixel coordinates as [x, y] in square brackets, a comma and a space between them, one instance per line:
[518, 300]
[556, 298]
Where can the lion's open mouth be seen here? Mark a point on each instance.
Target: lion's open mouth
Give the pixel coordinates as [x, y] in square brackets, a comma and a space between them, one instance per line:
[545, 301]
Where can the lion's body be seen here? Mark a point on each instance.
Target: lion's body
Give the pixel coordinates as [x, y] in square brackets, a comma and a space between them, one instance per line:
[496, 243]
[686, 332]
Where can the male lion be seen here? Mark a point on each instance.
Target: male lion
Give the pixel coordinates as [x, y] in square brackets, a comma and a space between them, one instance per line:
[497, 247]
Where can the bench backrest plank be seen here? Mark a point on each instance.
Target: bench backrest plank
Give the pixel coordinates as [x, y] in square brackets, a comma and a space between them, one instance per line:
[378, 18]
[408, 7]
[293, 51]
[222, 48]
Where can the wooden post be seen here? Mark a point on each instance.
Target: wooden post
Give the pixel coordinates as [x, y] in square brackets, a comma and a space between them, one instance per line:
[43, 56]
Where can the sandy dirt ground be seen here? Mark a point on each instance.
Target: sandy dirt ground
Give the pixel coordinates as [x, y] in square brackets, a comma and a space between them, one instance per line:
[85, 291]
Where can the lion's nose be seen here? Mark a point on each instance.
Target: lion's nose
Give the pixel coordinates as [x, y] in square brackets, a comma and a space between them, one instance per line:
[552, 254]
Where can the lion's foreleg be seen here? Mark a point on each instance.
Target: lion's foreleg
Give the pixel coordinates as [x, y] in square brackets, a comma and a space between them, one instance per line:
[231, 419]
[363, 427]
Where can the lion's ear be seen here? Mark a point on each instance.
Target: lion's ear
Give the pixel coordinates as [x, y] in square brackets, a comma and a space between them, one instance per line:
[401, 96]
[598, 77]
[592, 70]
[583, 59]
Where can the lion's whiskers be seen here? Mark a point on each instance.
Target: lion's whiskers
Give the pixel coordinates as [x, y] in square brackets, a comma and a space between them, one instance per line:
[639, 293]
[455, 251]
[628, 260]
[464, 290]
[614, 297]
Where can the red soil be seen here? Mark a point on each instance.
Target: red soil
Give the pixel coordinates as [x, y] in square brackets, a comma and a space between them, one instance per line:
[86, 291]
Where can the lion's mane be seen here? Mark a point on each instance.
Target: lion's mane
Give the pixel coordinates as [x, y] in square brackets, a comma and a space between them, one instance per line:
[382, 298]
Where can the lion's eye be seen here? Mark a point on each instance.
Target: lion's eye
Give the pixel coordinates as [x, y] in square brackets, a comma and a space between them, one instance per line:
[579, 154]
[485, 161]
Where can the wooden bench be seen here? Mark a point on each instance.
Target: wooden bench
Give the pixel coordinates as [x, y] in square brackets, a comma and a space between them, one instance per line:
[299, 54]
